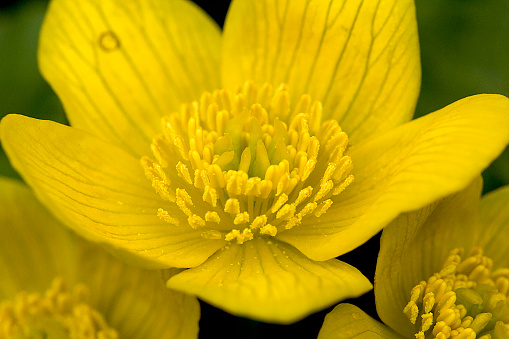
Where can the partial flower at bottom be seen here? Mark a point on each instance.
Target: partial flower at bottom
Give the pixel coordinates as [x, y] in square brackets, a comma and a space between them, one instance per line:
[55, 285]
[442, 272]
[251, 157]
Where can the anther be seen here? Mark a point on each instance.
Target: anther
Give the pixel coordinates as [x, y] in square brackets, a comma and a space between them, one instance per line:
[164, 215]
[210, 196]
[303, 195]
[232, 206]
[259, 221]
[241, 218]
[212, 216]
[286, 212]
[195, 221]
[183, 172]
[341, 187]
[279, 203]
[269, 230]
[323, 207]
[427, 321]
[309, 208]
[294, 221]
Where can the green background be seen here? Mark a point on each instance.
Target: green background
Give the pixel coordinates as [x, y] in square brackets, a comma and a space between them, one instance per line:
[465, 51]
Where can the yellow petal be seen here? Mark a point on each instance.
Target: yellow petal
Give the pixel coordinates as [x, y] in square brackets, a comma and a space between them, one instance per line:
[348, 321]
[494, 228]
[34, 246]
[414, 246]
[406, 169]
[101, 192]
[360, 58]
[136, 302]
[119, 65]
[270, 281]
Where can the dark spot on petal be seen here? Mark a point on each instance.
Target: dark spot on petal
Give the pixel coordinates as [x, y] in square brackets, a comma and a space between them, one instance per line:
[109, 41]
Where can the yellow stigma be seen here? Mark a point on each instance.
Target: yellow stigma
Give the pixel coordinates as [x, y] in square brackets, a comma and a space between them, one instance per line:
[58, 313]
[465, 300]
[243, 164]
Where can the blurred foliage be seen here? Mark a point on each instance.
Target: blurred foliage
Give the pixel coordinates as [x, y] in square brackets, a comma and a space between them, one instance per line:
[22, 89]
[465, 51]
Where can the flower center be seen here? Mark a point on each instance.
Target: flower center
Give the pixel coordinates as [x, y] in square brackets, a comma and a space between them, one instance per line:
[56, 314]
[243, 164]
[466, 299]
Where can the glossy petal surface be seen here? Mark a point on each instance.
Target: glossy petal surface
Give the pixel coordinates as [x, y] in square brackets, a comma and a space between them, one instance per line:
[405, 169]
[360, 58]
[101, 192]
[494, 221]
[118, 66]
[348, 321]
[270, 281]
[136, 301]
[34, 247]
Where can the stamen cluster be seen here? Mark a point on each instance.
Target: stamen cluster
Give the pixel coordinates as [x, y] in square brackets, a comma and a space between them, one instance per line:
[244, 163]
[58, 313]
[466, 299]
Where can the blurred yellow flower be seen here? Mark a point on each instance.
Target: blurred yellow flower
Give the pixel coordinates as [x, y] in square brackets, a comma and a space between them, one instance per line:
[270, 148]
[55, 285]
[442, 272]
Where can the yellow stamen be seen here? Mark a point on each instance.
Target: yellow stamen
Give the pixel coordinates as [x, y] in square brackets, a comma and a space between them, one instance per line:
[303, 195]
[248, 157]
[232, 206]
[323, 207]
[210, 195]
[212, 216]
[279, 203]
[259, 221]
[183, 172]
[58, 313]
[462, 299]
[164, 215]
[294, 221]
[241, 218]
[195, 221]
[269, 230]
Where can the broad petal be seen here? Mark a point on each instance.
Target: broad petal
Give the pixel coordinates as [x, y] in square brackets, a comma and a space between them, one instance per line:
[101, 192]
[360, 58]
[406, 169]
[119, 65]
[136, 302]
[414, 246]
[348, 321]
[270, 281]
[34, 246]
[494, 229]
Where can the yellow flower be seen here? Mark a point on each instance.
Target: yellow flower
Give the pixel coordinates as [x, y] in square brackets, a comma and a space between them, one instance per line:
[442, 272]
[270, 148]
[55, 285]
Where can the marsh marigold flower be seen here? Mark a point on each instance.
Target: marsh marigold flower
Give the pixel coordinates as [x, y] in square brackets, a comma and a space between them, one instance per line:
[56, 285]
[252, 157]
[442, 272]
